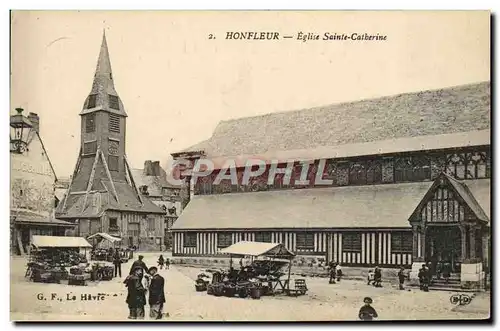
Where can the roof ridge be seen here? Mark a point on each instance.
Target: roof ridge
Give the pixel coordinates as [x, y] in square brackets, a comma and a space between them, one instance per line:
[351, 102]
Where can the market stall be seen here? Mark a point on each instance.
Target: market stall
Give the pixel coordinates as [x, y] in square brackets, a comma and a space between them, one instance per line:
[268, 272]
[104, 247]
[51, 257]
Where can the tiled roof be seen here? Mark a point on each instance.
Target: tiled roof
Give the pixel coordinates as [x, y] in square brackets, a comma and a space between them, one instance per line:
[29, 217]
[372, 206]
[481, 188]
[98, 202]
[449, 110]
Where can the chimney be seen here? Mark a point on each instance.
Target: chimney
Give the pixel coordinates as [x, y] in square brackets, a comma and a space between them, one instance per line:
[148, 168]
[156, 168]
[35, 120]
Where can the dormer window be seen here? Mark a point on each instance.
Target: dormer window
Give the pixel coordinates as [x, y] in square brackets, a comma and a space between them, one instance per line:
[113, 102]
[92, 101]
[144, 190]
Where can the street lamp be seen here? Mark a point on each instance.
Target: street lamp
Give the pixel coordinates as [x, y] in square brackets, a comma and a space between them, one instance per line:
[20, 128]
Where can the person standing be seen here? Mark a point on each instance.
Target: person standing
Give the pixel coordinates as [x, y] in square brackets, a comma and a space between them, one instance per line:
[377, 277]
[156, 294]
[167, 263]
[161, 262]
[339, 272]
[333, 272]
[401, 276]
[139, 263]
[367, 312]
[117, 261]
[136, 296]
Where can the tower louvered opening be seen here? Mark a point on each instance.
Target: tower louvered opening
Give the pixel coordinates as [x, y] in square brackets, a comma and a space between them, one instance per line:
[114, 123]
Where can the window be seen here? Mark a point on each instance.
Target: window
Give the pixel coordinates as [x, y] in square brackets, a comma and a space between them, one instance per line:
[403, 169]
[224, 240]
[90, 123]
[305, 240]
[374, 172]
[189, 239]
[90, 147]
[357, 173]
[151, 224]
[113, 102]
[351, 242]
[264, 237]
[113, 163]
[401, 242]
[92, 101]
[113, 223]
[133, 229]
[421, 168]
[114, 123]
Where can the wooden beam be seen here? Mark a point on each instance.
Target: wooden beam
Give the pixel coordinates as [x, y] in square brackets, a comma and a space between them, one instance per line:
[91, 180]
[109, 175]
[127, 170]
[72, 179]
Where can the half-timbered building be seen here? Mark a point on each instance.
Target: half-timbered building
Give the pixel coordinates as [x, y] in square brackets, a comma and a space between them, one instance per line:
[102, 195]
[407, 180]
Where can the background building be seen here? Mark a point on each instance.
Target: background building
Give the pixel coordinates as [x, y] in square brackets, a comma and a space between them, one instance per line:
[410, 182]
[32, 183]
[102, 195]
[153, 185]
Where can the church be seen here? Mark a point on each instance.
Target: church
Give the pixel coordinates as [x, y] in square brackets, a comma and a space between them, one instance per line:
[102, 194]
[410, 183]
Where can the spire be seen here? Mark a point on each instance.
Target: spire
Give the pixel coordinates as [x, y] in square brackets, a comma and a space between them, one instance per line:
[103, 87]
[103, 63]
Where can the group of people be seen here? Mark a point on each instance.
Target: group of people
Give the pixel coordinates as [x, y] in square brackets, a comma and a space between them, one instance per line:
[140, 281]
[335, 272]
[375, 277]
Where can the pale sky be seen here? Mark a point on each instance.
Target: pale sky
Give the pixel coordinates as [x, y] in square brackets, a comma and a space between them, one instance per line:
[176, 84]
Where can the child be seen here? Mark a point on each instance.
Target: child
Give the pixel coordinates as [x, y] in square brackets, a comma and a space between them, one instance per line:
[161, 262]
[339, 273]
[167, 263]
[367, 312]
[371, 277]
[401, 276]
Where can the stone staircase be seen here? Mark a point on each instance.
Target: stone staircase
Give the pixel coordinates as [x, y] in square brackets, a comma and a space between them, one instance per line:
[453, 285]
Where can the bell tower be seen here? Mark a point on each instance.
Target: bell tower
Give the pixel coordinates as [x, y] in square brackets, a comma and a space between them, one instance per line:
[103, 120]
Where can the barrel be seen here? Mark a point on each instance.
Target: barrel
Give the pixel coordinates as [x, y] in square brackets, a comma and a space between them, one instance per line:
[255, 292]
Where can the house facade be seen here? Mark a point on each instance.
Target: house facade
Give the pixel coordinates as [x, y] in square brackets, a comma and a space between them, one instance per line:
[32, 184]
[388, 182]
[153, 185]
[102, 195]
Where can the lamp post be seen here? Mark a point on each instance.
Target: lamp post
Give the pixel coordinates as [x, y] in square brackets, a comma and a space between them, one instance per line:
[20, 128]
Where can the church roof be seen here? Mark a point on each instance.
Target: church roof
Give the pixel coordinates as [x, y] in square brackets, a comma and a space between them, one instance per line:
[445, 111]
[103, 88]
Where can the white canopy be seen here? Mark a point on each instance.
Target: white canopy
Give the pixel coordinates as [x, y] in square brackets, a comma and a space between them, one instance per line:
[59, 242]
[252, 248]
[105, 236]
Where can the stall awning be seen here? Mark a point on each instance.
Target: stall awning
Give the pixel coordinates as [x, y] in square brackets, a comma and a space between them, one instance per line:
[106, 236]
[251, 248]
[60, 242]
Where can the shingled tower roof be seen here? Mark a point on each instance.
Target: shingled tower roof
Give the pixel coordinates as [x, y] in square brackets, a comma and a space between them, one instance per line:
[103, 86]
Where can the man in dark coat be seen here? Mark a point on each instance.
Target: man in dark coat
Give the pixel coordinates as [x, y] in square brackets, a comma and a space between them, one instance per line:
[156, 294]
[139, 263]
[117, 261]
[136, 296]
[367, 312]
